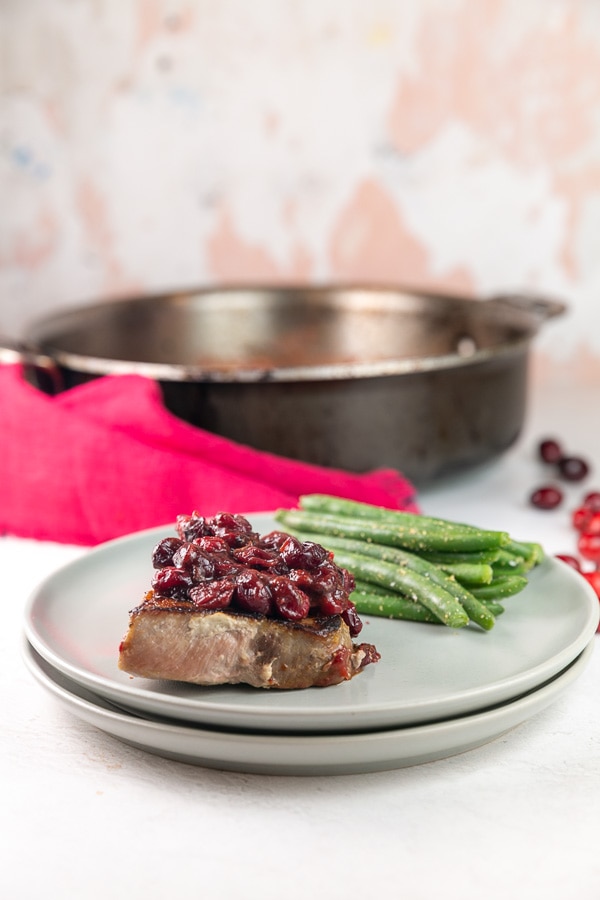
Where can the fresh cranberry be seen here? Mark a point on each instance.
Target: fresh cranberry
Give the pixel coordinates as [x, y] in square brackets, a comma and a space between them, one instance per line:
[580, 517]
[592, 525]
[592, 501]
[593, 578]
[570, 561]
[546, 497]
[573, 468]
[550, 451]
[589, 547]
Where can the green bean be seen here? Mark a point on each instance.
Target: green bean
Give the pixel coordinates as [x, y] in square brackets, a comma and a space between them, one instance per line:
[531, 553]
[477, 557]
[468, 573]
[407, 582]
[392, 606]
[494, 607]
[412, 536]
[500, 587]
[509, 563]
[365, 587]
[338, 506]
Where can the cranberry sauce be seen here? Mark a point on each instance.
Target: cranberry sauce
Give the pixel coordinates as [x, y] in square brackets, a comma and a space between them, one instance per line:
[220, 562]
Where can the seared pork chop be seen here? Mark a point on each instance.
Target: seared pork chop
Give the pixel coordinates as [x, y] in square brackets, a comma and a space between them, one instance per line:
[167, 640]
[230, 607]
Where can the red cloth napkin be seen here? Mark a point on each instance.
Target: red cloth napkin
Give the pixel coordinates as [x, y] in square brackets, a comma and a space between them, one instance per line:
[106, 459]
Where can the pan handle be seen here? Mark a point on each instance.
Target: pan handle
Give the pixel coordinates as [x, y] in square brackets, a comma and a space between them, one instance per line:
[43, 370]
[540, 307]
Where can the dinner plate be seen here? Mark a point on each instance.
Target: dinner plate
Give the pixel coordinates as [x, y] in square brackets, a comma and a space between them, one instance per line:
[299, 754]
[77, 617]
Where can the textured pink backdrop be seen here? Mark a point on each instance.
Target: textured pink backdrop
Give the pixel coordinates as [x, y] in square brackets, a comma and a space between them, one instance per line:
[156, 144]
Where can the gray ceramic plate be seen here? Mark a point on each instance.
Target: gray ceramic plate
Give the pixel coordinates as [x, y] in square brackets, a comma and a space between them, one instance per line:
[77, 617]
[299, 754]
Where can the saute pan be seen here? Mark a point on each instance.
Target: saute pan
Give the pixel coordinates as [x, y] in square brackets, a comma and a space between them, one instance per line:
[350, 377]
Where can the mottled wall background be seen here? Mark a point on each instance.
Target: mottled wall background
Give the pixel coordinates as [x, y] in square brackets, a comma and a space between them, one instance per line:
[151, 144]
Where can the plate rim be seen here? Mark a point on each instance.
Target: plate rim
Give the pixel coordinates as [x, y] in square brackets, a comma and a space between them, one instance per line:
[371, 746]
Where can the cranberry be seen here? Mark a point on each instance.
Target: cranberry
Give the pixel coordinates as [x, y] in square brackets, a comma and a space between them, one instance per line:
[592, 525]
[547, 497]
[212, 544]
[314, 554]
[170, 581]
[581, 516]
[187, 555]
[333, 604]
[591, 501]
[589, 547]
[191, 527]
[223, 565]
[292, 553]
[213, 594]
[256, 557]
[253, 593]
[573, 468]
[570, 561]
[303, 579]
[236, 530]
[274, 539]
[291, 602]
[327, 577]
[593, 578]
[352, 620]
[550, 451]
[163, 553]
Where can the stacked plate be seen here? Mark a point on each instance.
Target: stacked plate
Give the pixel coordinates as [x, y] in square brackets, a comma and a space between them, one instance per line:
[436, 692]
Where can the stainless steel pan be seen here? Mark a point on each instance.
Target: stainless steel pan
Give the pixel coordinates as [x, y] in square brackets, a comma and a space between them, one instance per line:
[352, 377]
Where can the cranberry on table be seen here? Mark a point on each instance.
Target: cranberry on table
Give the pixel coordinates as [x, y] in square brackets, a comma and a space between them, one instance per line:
[591, 501]
[592, 524]
[573, 468]
[550, 451]
[580, 517]
[546, 497]
[589, 547]
[593, 578]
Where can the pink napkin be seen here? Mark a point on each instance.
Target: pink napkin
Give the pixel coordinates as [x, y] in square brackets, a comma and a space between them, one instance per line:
[106, 459]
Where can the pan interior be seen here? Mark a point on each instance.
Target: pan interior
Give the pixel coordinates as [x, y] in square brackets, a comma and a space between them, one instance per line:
[270, 329]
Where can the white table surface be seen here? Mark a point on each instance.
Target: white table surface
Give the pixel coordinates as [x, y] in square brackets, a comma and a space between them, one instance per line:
[84, 816]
